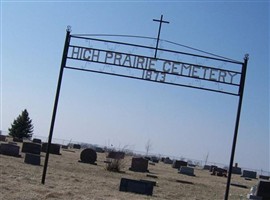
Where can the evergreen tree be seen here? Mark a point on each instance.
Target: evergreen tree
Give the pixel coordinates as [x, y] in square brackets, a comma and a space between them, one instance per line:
[22, 126]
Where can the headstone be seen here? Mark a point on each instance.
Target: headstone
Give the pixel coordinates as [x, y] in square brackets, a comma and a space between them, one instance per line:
[135, 186]
[187, 171]
[191, 165]
[9, 149]
[17, 139]
[167, 160]
[261, 191]
[179, 163]
[54, 148]
[236, 170]
[64, 146]
[221, 172]
[88, 156]
[3, 138]
[116, 155]
[76, 146]
[32, 159]
[249, 174]
[264, 177]
[99, 150]
[36, 140]
[206, 167]
[212, 167]
[139, 165]
[154, 159]
[33, 148]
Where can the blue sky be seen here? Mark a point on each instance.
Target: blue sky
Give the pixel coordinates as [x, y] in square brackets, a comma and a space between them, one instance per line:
[101, 109]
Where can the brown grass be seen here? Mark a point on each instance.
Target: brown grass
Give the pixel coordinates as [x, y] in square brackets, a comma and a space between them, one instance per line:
[69, 179]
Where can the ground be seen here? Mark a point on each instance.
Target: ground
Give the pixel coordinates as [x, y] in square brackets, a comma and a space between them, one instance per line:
[72, 180]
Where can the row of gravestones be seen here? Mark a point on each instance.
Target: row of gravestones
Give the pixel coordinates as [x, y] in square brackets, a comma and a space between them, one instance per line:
[32, 150]
[247, 174]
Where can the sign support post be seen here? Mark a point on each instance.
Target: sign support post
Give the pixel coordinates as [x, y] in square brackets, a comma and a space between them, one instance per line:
[241, 93]
[63, 64]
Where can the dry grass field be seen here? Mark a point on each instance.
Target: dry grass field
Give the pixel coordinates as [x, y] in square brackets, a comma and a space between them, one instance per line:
[69, 179]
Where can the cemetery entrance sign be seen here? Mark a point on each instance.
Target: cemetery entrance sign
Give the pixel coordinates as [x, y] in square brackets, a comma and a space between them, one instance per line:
[137, 61]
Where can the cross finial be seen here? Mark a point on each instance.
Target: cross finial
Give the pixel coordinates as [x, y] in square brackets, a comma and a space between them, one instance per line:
[160, 23]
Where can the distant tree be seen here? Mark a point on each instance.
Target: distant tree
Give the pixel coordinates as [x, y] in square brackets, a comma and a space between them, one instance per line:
[148, 146]
[22, 126]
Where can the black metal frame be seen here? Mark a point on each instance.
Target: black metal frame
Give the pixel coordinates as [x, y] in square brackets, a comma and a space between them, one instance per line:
[65, 56]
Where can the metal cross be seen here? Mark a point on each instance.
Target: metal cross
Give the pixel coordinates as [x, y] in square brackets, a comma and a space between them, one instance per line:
[160, 23]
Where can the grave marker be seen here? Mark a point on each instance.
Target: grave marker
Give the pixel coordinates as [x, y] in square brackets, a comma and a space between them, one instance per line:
[261, 191]
[167, 160]
[249, 174]
[9, 149]
[187, 171]
[179, 163]
[32, 159]
[139, 165]
[264, 177]
[88, 156]
[206, 167]
[236, 170]
[3, 138]
[76, 146]
[116, 155]
[30, 147]
[17, 139]
[36, 140]
[135, 186]
[54, 148]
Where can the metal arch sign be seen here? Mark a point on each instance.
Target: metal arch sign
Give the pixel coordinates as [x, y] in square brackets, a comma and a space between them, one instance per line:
[170, 67]
[151, 68]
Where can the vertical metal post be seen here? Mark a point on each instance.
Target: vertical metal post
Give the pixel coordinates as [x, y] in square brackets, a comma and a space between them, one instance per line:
[241, 93]
[63, 64]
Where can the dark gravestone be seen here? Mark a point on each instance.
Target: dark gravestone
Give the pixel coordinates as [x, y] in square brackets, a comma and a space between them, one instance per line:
[139, 165]
[32, 159]
[236, 170]
[263, 190]
[99, 150]
[135, 186]
[54, 148]
[186, 171]
[64, 146]
[212, 167]
[76, 146]
[264, 177]
[249, 174]
[179, 163]
[206, 167]
[33, 148]
[3, 138]
[116, 155]
[9, 149]
[154, 159]
[88, 156]
[167, 160]
[35, 140]
[221, 172]
[17, 139]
